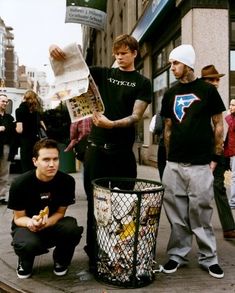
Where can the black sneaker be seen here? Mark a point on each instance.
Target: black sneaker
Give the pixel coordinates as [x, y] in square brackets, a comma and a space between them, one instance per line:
[216, 271]
[60, 270]
[170, 267]
[3, 201]
[24, 269]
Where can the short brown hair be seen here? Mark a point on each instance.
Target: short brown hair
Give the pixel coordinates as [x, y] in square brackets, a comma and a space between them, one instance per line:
[127, 41]
[45, 143]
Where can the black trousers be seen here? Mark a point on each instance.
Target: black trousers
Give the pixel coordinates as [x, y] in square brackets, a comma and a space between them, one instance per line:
[161, 160]
[221, 198]
[64, 235]
[26, 154]
[100, 163]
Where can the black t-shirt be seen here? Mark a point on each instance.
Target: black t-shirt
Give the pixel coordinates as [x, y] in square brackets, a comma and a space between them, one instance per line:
[119, 91]
[190, 106]
[28, 193]
[6, 136]
[30, 121]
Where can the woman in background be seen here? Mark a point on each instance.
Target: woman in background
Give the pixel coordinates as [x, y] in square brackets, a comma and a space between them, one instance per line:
[28, 121]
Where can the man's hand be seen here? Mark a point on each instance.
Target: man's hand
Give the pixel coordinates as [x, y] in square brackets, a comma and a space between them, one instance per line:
[37, 223]
[57, 53]
[2, 128]
[213, 165]
[101, 121]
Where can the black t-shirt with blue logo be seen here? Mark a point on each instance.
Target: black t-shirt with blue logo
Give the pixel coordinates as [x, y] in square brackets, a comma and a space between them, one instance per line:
[191, 106]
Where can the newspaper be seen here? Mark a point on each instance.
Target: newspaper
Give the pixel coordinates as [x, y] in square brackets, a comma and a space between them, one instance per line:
[75, 85]
[83, 106]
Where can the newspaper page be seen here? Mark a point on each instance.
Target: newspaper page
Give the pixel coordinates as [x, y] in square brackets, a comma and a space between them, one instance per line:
[85, 104]
[74, 84]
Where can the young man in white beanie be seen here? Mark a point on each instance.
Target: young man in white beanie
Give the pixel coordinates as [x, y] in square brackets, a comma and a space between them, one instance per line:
[188, 108]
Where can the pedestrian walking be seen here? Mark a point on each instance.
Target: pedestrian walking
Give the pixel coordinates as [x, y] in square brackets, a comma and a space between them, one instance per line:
[39, 199]
[188, 109]
[28, 122]
[7, 130]
[125, 94]
[210, 74]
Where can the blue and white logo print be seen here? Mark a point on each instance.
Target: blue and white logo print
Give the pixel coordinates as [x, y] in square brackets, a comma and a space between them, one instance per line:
[182, 102]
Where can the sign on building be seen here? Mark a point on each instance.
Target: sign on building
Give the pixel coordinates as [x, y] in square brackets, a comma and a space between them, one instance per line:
[87, 12]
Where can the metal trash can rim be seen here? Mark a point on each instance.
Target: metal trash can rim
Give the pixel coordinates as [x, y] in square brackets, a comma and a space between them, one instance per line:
[157, 185]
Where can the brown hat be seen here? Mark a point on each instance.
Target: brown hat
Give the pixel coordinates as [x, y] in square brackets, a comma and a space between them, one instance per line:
[210, 71]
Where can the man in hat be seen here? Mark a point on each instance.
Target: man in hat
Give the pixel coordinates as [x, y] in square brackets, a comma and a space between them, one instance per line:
[210, 74]
[188, 109]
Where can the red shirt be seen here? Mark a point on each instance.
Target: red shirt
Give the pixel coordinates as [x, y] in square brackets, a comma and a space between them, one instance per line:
[229, 145]
[78, 130]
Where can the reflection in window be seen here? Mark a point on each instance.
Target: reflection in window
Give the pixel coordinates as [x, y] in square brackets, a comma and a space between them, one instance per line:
[232, 74]
[232, 60]
[172, 79]
[233, 31]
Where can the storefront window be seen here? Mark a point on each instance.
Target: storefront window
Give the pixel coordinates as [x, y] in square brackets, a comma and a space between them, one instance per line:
[159, 87]
[163, 76]
[172, 79]
[232, 74]
[233, 31]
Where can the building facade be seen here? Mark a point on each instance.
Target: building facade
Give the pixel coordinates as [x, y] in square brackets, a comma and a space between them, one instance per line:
[159, 26]
[8, 57]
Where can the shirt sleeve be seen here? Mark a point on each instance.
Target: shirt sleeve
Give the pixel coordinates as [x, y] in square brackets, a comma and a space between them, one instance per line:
[217, 104]
[145, 92]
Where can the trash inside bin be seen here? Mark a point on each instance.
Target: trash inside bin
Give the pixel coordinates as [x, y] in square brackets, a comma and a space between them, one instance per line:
[127, 214]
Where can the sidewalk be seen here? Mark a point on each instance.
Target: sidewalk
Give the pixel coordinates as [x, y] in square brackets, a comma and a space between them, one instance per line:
[187, 279]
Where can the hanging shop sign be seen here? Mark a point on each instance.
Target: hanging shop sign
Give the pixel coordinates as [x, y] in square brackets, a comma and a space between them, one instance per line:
[152, 12]
[87, 12]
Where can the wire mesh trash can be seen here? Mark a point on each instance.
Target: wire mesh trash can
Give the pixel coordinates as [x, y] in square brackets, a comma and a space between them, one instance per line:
[127, 213]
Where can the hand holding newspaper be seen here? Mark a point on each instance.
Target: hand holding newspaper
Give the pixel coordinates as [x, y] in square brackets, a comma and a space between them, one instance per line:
[75, 85]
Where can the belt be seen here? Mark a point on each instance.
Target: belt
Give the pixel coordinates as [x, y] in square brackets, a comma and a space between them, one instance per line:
[185, 164]
[108, 146]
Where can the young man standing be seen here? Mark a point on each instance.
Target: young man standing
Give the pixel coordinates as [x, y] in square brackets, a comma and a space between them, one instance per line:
[189, 107]
[211, 75]
[33, 232]
[7, 129]
[126, 95]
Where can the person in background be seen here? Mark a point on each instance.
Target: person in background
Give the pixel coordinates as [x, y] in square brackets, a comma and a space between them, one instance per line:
[6, 135]
[189, 108]
[28, 121]
[229, 148]
[125, 94]
[210, 74]
[158, 129]
[51, 191]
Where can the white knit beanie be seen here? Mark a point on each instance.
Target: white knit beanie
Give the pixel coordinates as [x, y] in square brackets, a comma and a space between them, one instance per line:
[184, 54]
